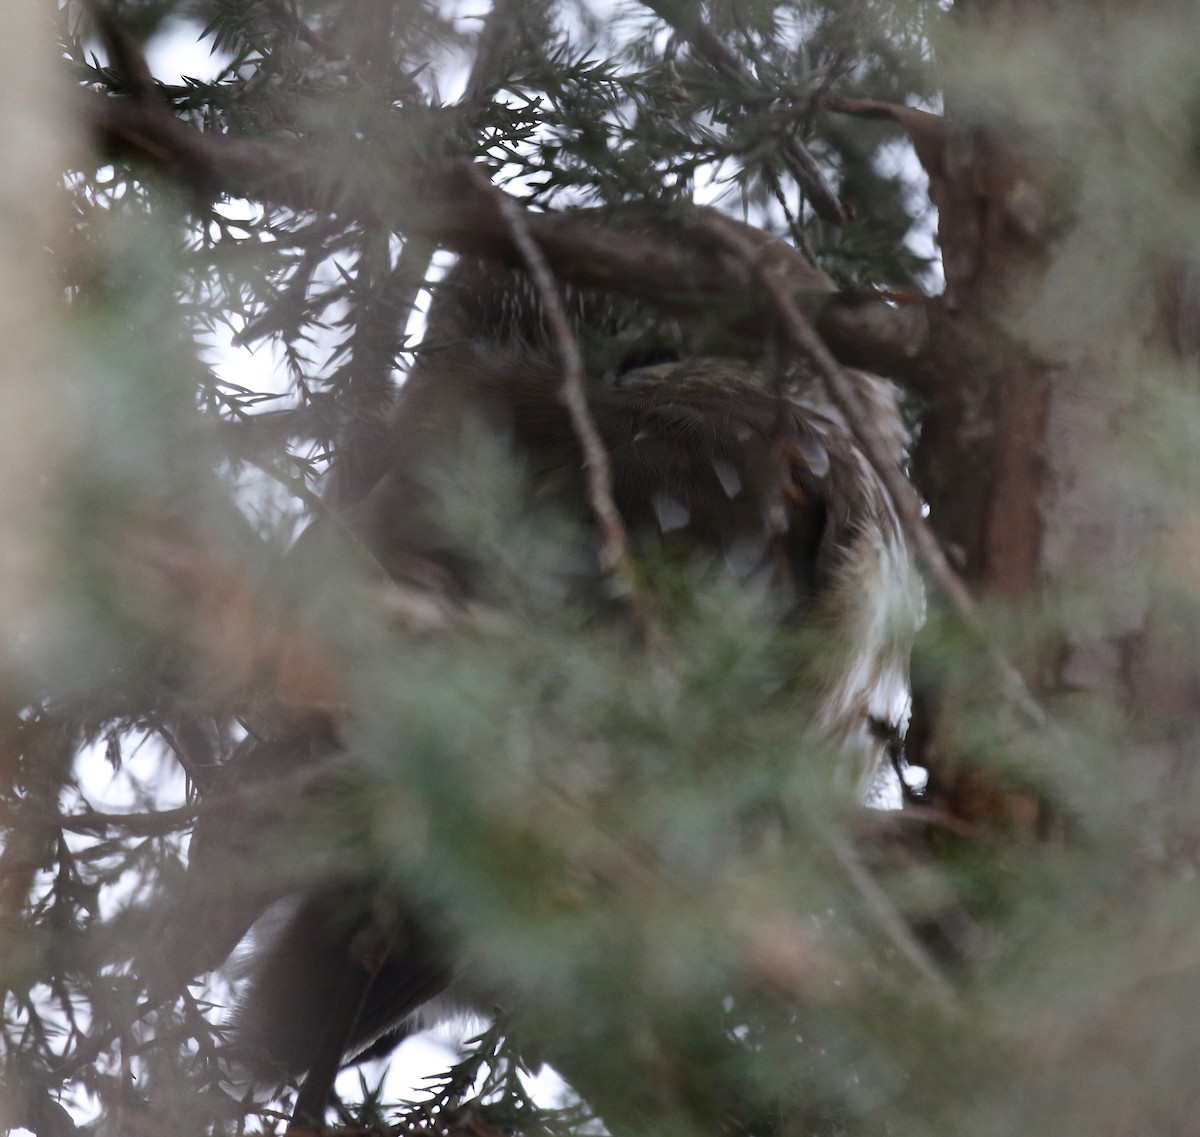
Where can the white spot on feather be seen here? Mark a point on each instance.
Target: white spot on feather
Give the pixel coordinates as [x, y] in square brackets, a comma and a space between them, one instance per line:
[728, 476]
[672, 514]
[774, 514]
[815, 456]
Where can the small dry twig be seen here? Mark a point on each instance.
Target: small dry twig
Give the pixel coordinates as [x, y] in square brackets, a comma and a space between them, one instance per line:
[573, 393]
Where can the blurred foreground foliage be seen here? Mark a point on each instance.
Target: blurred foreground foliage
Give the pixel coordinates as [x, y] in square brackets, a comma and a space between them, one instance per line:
[687, 913]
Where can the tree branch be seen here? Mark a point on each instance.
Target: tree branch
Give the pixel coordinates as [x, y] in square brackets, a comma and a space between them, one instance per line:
[440, 198]
[443, 200]
[125, 55]
[926, 131]
[686, 20]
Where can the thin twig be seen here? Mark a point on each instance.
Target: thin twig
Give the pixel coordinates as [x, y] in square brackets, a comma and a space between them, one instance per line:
[614, 556]
[573, 392]
[886, 916]
[157, 823]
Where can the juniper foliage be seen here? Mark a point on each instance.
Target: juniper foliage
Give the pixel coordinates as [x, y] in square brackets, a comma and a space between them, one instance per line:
[678, 904]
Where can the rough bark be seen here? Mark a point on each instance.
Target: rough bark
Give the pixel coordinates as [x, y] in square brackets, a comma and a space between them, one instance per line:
[1020, 451]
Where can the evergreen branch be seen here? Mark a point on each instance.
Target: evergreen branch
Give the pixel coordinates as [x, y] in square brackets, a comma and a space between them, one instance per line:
[125, 54]
[684, 17]
[441, 200]
[493, 51]
[240, 797]
[95, 822]
[295, 485]
[286, 13]
[487, 75]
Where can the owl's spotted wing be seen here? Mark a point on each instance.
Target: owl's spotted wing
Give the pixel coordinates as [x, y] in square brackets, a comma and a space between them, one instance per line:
[709, 463]
[772, 485]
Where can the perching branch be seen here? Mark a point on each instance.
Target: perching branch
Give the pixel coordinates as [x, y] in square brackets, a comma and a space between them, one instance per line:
[442, 200]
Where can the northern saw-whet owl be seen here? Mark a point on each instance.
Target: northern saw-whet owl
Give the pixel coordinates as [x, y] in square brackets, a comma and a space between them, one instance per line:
[731, 459]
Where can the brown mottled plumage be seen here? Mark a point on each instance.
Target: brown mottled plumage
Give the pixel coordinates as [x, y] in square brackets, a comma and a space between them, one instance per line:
[712, 453]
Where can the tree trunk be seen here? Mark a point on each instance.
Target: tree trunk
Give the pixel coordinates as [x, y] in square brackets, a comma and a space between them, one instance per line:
[1038, 410]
